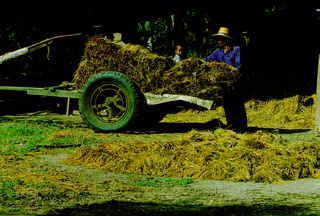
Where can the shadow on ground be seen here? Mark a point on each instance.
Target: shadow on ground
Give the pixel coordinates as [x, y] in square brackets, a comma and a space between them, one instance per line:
[275, 130]
[18, 109]
[182, 127]
[212, 125]
[131, 208]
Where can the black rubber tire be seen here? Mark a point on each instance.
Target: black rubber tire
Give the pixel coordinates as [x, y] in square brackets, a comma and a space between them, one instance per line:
[109, 102]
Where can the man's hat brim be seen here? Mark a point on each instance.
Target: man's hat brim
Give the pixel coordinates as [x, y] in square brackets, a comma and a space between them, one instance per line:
[221, 36]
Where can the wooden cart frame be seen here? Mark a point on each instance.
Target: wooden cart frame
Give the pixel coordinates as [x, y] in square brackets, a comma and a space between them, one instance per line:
[109, 101]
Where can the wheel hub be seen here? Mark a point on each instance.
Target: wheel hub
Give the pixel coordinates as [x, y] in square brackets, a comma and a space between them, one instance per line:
[109, 103]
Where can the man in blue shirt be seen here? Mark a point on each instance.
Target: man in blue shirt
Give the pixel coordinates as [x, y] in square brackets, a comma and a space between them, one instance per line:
[233, 102]
[225, 53]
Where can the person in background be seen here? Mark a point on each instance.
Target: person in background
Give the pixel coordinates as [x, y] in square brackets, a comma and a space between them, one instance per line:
[178, 50]
[233, 102]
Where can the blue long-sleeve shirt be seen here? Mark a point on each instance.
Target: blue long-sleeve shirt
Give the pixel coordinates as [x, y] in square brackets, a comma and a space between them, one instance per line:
[232, 56]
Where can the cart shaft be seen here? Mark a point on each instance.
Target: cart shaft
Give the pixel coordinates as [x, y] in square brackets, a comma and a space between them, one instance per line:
[43, 92]
[14, 54]
[31, 48]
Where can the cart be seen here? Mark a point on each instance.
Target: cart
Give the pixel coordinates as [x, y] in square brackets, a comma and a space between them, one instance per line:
[109, 101]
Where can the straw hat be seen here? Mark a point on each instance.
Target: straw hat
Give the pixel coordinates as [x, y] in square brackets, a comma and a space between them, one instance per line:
[223, 32]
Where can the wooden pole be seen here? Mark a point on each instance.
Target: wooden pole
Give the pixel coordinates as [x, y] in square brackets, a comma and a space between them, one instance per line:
[68, 107]
[317, 112]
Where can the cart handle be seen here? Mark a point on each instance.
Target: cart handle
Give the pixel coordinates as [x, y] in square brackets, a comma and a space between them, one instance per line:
[48, 41]
[32, 48]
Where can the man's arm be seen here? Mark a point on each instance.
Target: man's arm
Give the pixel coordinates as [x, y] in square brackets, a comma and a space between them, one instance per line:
[211, 57]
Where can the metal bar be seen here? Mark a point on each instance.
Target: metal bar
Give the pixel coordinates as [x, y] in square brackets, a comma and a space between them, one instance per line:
[31, 48]
[13, 54]
[14, 88]
[54, 88]
[51, 39]
[42, 91]
[57, 93]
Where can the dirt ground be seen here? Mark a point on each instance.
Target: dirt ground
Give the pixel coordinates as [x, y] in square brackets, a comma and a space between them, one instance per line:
[121, 194]
[199, 197]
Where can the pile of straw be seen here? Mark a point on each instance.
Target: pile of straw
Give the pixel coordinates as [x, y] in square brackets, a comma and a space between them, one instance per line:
[297, 112]
[218, 155]
[153, 73]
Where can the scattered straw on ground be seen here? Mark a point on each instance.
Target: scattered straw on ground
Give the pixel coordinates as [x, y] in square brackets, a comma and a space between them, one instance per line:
[219, 155]
[297, 112]
[27, 184]
[153, 73]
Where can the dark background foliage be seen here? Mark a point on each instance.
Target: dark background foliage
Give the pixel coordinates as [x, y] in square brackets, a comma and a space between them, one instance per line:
[279, 39]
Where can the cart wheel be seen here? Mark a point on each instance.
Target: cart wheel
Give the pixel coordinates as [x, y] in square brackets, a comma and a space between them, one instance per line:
[109, 101]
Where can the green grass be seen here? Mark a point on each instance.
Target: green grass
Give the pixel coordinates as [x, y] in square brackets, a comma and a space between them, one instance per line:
[23, 137]
[158, 182]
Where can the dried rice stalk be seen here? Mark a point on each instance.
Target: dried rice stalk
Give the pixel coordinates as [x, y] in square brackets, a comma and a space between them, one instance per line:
[219, 155]
[153, 73]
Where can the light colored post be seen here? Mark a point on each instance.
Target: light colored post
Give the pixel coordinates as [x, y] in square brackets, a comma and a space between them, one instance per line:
[317, 111]
[68, 106]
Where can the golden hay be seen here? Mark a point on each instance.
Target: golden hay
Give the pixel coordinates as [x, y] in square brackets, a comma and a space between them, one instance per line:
[218, 155]
[153, 73]
[294, 112]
